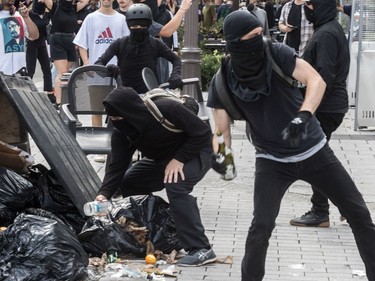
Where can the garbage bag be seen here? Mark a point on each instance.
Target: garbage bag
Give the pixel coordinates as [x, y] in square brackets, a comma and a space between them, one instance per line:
[154, 213]
[99, 234]
[7, 216]
[41, 247]
[52, 195]
[16, 192]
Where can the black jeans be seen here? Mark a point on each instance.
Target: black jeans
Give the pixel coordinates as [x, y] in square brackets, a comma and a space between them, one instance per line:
[146, 176]
[40, 53]
[325, 172]
[329, 122]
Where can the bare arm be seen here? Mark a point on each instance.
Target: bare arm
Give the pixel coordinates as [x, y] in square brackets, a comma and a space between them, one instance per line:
[82, 4]
[30, 25]
[49, 4]
[84, 55]
[175, 22]
[222, 124]
[315, 85]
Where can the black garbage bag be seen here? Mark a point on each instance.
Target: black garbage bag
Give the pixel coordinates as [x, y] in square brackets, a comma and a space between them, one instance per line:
[154, 213]
[51, 195]
[7, 216]
[41, 247]
[16, 192]
[99, 234]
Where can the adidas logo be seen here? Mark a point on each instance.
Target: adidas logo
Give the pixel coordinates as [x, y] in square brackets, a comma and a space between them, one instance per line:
[105, 37]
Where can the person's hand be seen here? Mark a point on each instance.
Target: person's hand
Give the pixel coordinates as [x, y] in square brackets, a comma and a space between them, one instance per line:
[185, 5]
[172, 170]
[297, 128]
[23, 10]
[113, 70]
[217, 163]
[101, 198]
[175, 82]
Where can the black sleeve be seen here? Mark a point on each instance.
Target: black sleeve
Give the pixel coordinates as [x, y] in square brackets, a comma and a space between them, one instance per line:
[122, 152]
[285, 57]
[112, 50]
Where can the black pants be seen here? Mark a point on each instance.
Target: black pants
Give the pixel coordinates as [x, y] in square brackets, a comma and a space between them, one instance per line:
[325, 172]
[329, 122]
[40, 53]
[146, 176]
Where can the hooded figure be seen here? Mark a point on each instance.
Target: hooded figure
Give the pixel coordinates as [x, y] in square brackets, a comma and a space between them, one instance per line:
[328, 52]
[174, 161]
[324, 11]
[251, 69]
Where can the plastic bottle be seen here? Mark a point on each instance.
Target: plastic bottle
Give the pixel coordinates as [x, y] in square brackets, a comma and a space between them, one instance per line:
[226, 157]
[97, 208]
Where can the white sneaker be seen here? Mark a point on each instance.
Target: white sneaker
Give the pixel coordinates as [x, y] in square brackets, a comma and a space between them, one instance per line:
[100, 158]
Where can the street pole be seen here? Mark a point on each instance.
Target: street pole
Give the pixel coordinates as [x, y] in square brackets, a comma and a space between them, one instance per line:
[191, 53]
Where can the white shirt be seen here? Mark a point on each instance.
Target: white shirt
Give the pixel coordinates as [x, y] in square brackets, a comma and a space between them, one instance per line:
[12, 43]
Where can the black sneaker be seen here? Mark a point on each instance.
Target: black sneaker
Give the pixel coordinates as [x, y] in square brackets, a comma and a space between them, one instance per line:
[311, 219]
[197, 258]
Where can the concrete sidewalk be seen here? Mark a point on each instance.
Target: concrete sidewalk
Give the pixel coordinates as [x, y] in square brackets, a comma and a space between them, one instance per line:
[295, 253]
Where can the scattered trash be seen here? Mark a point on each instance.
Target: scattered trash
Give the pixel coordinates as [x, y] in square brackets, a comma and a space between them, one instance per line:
[297, 266]
[359, 273]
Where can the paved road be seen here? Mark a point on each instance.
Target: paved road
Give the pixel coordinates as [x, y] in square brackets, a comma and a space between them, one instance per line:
[295, 253]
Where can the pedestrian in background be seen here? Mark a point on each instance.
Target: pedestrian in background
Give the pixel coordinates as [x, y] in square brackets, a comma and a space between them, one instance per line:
[328, 52]
[37, 49]
[297, 28]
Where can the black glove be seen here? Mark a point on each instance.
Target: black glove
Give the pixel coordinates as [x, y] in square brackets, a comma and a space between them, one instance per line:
[297, 128]
[217, 163]
[113, 70]
[175, 82]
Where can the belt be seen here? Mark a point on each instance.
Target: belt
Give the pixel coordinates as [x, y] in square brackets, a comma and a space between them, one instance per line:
[63, 33]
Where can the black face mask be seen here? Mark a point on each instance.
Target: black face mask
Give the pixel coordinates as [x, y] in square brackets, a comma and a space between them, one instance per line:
[138, 35]
[309, 14]
[248, 62]
[124, 127]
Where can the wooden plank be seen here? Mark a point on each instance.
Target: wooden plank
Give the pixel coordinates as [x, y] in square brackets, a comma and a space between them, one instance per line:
[54, 140]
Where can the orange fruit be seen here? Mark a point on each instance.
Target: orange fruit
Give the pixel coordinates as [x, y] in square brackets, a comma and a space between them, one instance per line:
[150, 259]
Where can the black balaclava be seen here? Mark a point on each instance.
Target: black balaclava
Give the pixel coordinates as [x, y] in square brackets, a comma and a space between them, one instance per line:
[39, 7]
[125, 102]
[251, 69]
[324, 11]
[138, 35]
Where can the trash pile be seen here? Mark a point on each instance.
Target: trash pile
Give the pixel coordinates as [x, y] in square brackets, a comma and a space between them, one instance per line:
[44, 237]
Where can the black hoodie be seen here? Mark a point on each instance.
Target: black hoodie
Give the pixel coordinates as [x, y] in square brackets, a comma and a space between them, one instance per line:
[328, 52]
[140, 130]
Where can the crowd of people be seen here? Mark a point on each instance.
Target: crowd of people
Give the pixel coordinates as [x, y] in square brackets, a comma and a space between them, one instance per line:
[290, 126]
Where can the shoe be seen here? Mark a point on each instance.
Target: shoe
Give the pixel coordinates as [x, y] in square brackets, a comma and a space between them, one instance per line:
[197, 258]
[100, 158]
[310, 219]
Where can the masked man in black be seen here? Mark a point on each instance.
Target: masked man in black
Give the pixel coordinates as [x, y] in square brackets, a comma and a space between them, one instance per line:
[328, 52]
[290, 144]
[174, 161]
[139, 50]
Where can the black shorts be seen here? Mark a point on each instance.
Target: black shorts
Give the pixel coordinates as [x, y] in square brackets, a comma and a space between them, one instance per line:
[62, 47]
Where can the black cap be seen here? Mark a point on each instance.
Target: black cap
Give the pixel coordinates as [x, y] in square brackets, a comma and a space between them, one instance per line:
[239, 23]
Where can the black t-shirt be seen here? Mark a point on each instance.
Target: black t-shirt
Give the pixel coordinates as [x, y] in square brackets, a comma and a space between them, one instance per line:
[269, 115]
[293, 38]
[62, 20]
